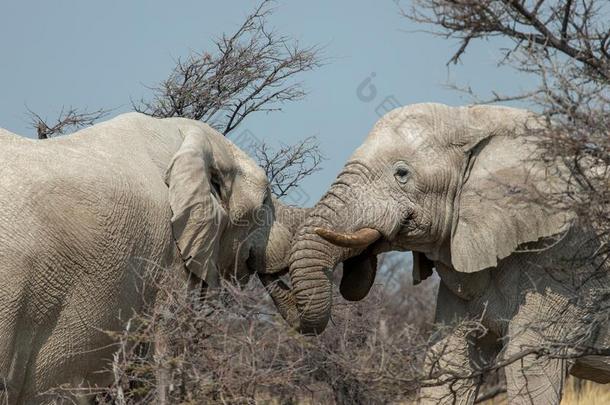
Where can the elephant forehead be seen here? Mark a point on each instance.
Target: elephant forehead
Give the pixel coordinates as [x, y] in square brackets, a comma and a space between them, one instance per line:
[252, 171]
[387, 141]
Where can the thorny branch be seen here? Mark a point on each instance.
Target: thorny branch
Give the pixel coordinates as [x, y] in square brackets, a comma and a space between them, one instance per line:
[572, 29]
[233, 349]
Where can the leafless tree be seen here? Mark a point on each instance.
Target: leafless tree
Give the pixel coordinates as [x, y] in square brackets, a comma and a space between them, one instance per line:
[235, 348]
[252, 70]
[69, 119]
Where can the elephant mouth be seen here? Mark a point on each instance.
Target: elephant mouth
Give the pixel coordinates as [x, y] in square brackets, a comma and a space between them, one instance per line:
[255, 262]
[359, 273]
[359, 270]
[251, 264]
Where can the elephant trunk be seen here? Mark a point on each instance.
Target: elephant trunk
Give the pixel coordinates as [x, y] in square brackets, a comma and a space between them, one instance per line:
[282, 297]
[318, 248]
[312, 261]
[286, 222]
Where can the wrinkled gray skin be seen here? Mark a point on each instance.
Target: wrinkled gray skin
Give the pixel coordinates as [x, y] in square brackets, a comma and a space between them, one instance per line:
[455, 186]
[91, 220]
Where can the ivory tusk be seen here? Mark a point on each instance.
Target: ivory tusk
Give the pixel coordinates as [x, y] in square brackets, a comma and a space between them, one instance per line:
[361, 238]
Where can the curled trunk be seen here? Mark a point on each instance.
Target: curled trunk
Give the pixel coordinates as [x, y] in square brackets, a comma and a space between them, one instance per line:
[318, 248]
[310, 270]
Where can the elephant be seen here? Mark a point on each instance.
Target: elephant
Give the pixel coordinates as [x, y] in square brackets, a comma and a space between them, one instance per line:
[93, 220]
[461, 187]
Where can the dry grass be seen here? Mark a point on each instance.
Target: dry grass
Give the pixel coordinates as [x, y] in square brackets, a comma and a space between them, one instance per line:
[576, 392]
[581, 392]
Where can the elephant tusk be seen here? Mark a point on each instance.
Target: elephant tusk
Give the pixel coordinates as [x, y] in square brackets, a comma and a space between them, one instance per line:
[361, 238]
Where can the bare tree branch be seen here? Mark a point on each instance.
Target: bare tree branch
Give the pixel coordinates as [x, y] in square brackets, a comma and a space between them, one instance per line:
[542, 23]
[252, 70]
[69, 119]
[233, 348]
[287, 166]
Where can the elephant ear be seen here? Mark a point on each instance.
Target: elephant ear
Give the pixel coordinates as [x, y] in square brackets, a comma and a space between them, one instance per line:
[499, 204]
[197, 217]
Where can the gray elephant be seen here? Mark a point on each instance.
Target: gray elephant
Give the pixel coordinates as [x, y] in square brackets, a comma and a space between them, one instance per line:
[460, 187]
[91, 221]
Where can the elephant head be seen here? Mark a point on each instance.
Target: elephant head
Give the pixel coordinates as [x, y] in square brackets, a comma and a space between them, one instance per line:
[222, 208]
[452, 184]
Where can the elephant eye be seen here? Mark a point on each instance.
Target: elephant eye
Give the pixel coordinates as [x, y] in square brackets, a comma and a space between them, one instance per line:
[401, 174]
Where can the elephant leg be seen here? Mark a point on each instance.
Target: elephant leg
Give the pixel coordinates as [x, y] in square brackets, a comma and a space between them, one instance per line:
[536, 378]
[15, 345]
[533, 379]
[164, 347]
[593, 367]
[15, 385]
[451, 358]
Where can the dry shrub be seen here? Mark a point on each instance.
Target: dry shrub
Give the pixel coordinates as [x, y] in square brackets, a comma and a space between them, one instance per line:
[233, 348]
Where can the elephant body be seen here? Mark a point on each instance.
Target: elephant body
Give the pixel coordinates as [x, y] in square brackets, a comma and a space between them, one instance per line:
[470, 193]
[528, 301]
[79, 234]
[92, 220]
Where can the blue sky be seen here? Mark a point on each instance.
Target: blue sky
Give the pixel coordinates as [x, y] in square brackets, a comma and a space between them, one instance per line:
[103, 54]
